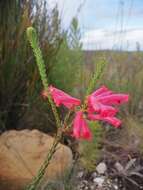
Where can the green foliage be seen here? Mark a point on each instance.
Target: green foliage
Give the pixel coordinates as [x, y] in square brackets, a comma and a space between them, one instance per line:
[13, 90]
[91, 151]
[97, 75]
[19, 78]
[65, 70]
[32, 37]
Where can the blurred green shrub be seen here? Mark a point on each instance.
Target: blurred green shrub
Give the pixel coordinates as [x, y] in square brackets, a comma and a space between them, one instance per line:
[91, 151]
[65, 72]
[19, 80]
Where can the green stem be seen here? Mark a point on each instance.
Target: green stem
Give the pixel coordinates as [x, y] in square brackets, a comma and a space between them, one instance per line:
[67, 117]
[32, 37]
[36, 180]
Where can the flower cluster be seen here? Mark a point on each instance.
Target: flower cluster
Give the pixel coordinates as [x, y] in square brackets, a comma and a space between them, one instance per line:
[99, 106]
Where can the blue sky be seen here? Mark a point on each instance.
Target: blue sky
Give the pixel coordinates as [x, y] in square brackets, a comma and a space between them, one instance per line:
[105, 24]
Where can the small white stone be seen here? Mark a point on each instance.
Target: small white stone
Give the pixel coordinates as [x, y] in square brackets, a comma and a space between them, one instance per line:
[119, 167]
[101, 168]
[99, 181]
[116, 187]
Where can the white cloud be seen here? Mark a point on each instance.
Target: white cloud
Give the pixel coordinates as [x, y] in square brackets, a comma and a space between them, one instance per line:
[67, 9]
[101, 38]
[109, 39]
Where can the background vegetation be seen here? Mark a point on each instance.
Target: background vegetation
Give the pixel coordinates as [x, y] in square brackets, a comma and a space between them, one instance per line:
[20, 101]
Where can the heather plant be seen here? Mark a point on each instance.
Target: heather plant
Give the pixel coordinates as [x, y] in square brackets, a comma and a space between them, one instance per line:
[96, 106]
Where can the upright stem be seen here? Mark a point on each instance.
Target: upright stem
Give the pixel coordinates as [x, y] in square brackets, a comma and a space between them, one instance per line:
[36, 180]
[96, 76]
[67, 117]
[32, 37]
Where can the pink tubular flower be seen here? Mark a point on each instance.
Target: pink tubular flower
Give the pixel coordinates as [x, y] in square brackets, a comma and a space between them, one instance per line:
[109, 119]
[104, 110]
[99, 107]
[101, 101]
[61, 97]
[80, 127]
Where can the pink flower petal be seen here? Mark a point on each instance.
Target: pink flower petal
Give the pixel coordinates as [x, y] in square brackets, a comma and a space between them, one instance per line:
[114, 99]
[80, 127]
[101, 101]
[103, 109]
[98, 106]
[61, 97]
[100, 91]
[106, 110]
[112, 120]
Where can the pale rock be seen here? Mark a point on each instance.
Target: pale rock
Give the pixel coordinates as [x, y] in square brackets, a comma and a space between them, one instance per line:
[101, 168]
[119, 167]
[23, 152]
[99, 181]
[115, 187]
